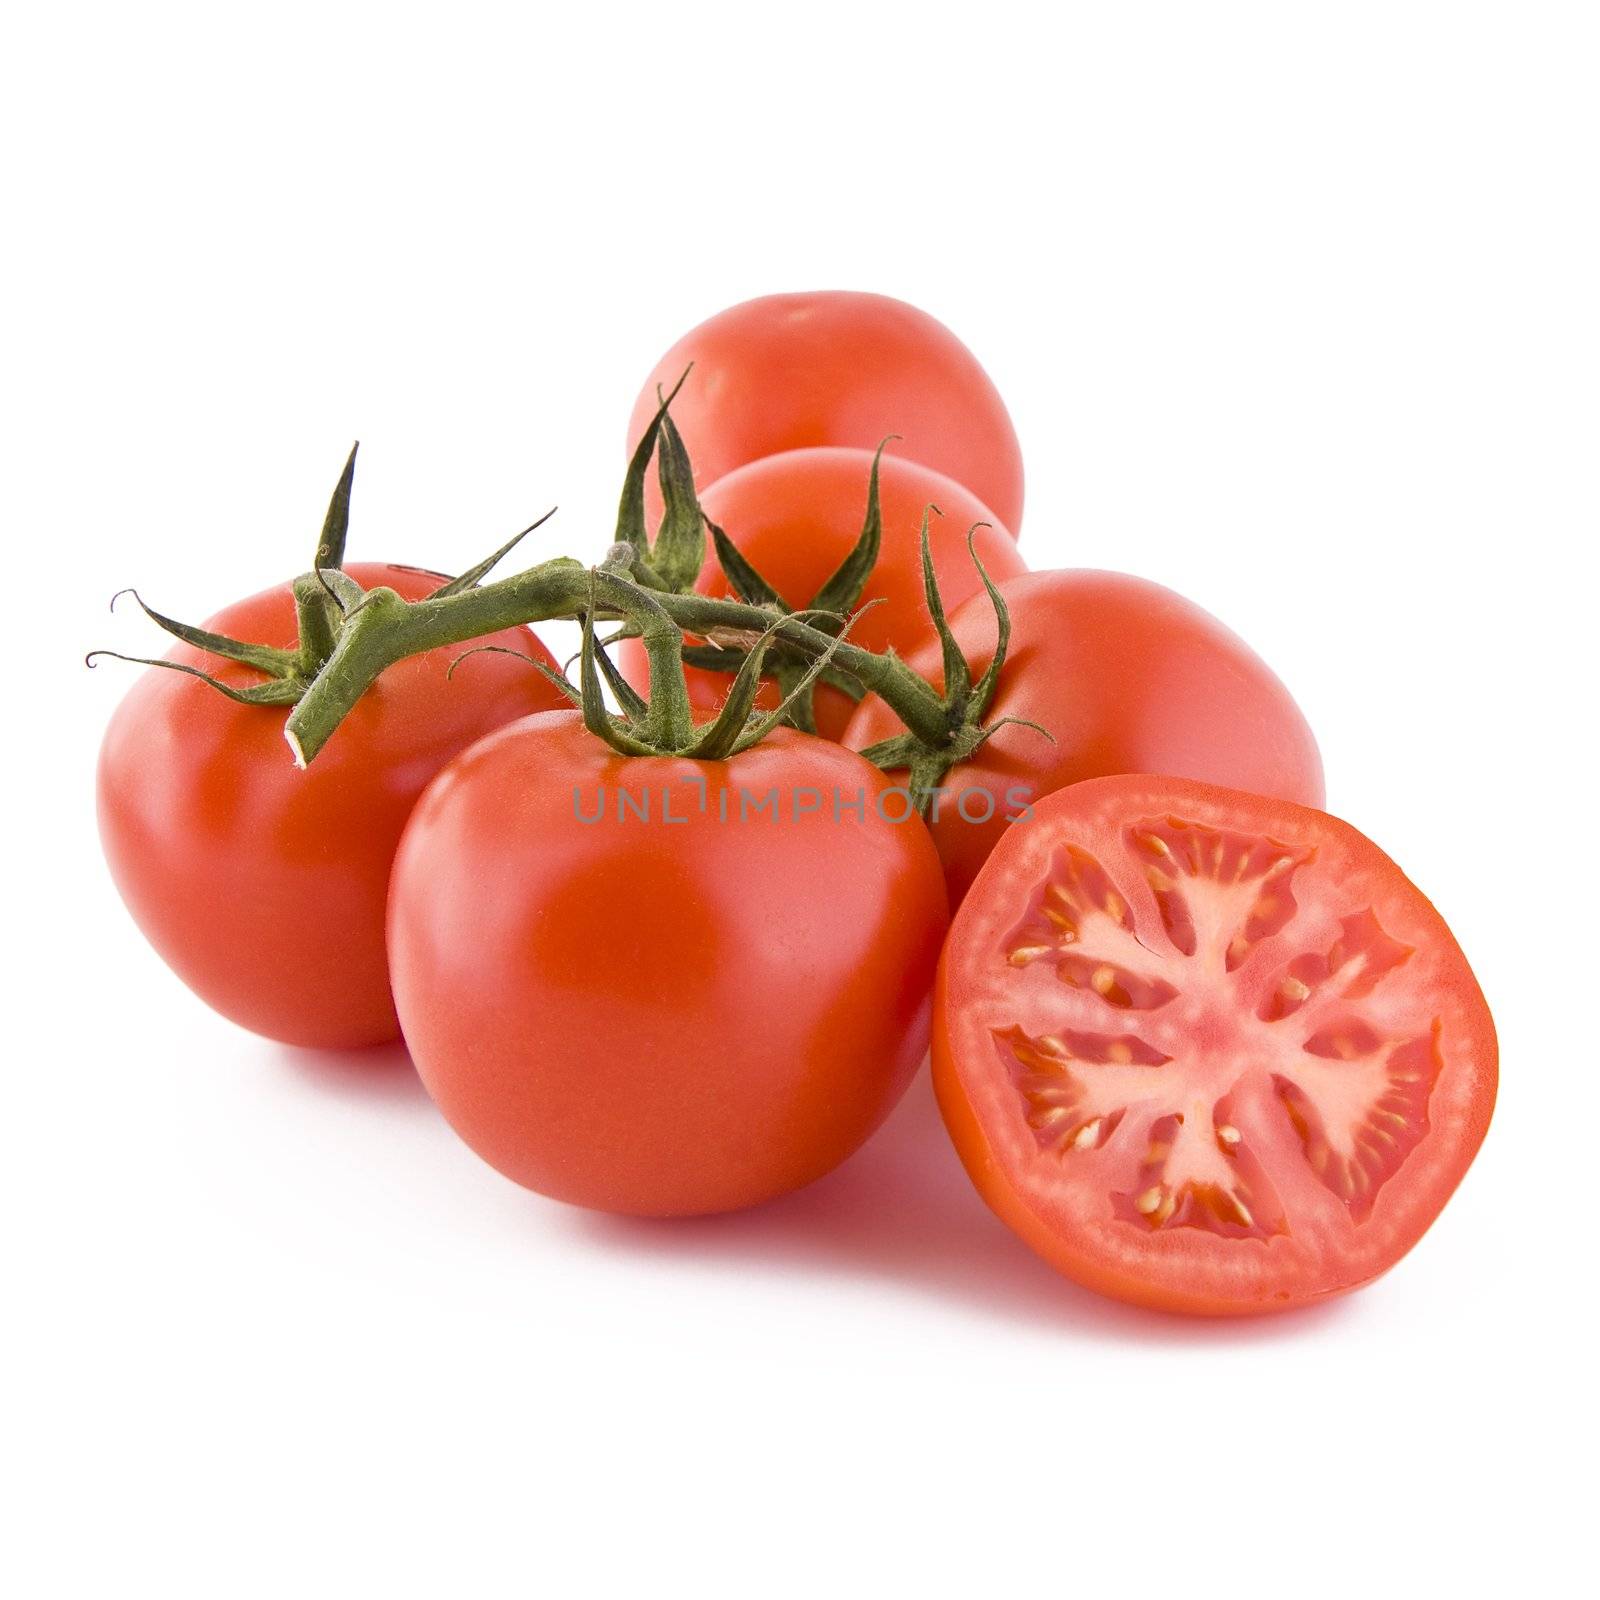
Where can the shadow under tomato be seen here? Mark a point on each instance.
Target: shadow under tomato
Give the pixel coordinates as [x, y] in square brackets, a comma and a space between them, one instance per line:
[380, 1074]
[903, 1209]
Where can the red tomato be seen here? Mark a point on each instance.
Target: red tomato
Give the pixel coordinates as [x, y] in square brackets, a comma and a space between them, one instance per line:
[1207, 1051]
[262, 886]
[689, 1013]
[791, 370]
[1128, 677]
[795, 517]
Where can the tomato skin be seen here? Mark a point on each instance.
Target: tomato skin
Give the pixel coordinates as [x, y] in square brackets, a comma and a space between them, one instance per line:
[661, 1018]
[1128, 677]
[797, 516]
[263, 886]
[1324, 1250]
[787, 371]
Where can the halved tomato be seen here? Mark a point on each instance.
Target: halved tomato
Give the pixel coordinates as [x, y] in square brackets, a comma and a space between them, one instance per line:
[1207, 1051]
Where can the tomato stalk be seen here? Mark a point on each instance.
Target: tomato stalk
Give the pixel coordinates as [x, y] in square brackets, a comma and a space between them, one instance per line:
[912, 698]
[384, 630]
[665, 725]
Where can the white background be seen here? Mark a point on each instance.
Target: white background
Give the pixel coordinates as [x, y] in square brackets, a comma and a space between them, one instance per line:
[1295, 308]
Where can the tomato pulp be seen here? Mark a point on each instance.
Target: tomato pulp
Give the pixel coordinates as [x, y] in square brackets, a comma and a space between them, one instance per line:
[630, 984]
[790, 370]
[1127, 677]
[263, 886]
[1207, 1051]
[795, 517]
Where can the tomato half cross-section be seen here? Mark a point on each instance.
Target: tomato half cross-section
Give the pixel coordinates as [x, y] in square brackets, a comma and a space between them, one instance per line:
[663, 986]
[1206, 1051]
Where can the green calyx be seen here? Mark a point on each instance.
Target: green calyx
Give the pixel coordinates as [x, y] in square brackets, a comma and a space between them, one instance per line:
[322, 597]
[331, 609]
[788, 666]
[965, 703]
[664, 723]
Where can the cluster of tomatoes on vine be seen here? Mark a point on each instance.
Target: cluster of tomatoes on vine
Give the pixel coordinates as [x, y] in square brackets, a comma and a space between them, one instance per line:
[836, 775]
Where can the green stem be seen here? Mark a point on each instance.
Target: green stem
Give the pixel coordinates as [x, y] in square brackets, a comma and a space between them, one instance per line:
[922, 711]
[671, 718]
[385, 629]
[319, 631]
[908, 696]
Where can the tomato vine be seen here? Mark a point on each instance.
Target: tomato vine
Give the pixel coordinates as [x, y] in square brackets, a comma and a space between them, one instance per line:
[349, 636]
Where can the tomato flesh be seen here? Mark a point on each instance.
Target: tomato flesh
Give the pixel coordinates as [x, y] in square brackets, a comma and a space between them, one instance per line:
[1208, 1051]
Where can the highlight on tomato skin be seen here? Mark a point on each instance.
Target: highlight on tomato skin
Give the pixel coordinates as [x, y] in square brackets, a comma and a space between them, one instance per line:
[836, 367]
[1126, 676]
[262, 886]
[1207, 1051]
[796, 516]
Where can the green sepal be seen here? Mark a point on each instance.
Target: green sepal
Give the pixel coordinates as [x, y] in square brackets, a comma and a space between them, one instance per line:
[596, 718]
[680, 548]
[844, 589]
[558, 680]
[474, 575]
[720, 738]
[984, 690]
[957, 677]
[264, 658]
[891, 754]
[966, 703]
[634, 705]
[735, 730]
[631, 529]
[336, 524]
[274, 692]
[743, 578]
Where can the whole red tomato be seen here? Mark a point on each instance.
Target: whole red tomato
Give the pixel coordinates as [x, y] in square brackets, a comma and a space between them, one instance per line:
[262, 886]
[795, 517]
[1128, 677]
[791, 370]
[663, 986]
